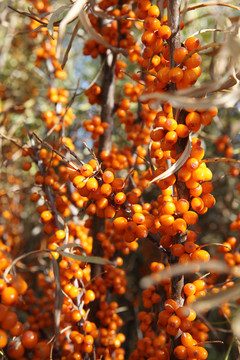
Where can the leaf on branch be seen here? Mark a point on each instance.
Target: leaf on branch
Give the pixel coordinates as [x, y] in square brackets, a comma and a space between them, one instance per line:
[182, 269]
[178, 164]
[55, 16]
[77, 11]
[235, 323]
[58, 296]
[212, 300]
[88, 259]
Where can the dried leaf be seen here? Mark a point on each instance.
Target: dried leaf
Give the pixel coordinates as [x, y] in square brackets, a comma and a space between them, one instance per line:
[182, 269]
[58, 296]
[212, 300]
[55, 16]
[73, 13]
[88, 259]
[236, 324]
[178, 164]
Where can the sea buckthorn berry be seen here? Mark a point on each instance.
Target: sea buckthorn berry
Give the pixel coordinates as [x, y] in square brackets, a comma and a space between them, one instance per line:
[180, 352]
[9, 320]
[3, 339]
[170, 124]
[192, 164]
[183, 312]
[148, 38]
[193, 121]
[120, 223]
[197, 204]
[15, 349]
[175, 75]
[120, 198]
[46, 216]
[9, 296]
[164, 32]
[154, 11]
[152, 23]
[169, 208]
[192, 43]
[177, 250]
[184, 174]
[206, 118]
[179, 226]
[60, 235]
[179, 54]
[163, 317]
[34, 197]
[29, 339]
[182, 205]
[187, 340]
[171, 137]
[79, 182]
[26, 166]
[86, 170]
[200, 255]
[182, 130]
[138, 218]
[108, 177]
[207, 187]
[109, 212]
[190, 247]
[163, 77]
[208, 200]
[190, 217]
[142, 231]
[189, 77]
[89, 296]
[106, 189]
[166, 220]
[189, 289]
[171, 306]
[193, 61]
[92, 184]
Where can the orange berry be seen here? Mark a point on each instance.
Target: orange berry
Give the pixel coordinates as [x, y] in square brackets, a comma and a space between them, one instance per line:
[179, 226]
[9, 320]
[15, 349]
[92, 184]
[187, 340]
[180, 352]
[179, 54]
[164, 32]
[26, 166]
[138, 218]
[120, 198]
[46, 216]
[86, 170]
[182, 205]
[120, 223]
[108, 177]
[9, 296]
[29, 339]
[192, 43]
[200, 255]
[3, 339]
[190, 217]
[189, 289]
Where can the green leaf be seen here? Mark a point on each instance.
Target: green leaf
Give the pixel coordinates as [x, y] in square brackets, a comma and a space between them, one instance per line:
[55, 16]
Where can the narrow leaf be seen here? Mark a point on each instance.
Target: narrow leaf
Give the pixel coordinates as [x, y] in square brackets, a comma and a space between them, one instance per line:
[178, 164]
[55, 16]
[182, 269]
[88, 259]
[58, 297]
[212, 300]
